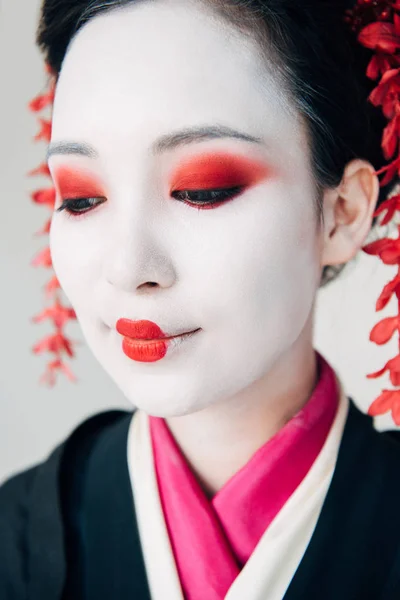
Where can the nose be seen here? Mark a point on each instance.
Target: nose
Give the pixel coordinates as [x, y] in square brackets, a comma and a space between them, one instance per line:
[138, 260]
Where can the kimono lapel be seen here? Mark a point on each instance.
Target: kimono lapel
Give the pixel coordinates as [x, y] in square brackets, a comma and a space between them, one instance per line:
[269, 570]
[104, 555]
[159, 559]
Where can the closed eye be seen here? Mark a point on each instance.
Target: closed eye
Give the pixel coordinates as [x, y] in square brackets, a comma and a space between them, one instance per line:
[76, 206]
[79, 206]
[206, 197]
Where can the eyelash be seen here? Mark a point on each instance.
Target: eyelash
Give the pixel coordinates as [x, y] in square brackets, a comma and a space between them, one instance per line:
[72, 206]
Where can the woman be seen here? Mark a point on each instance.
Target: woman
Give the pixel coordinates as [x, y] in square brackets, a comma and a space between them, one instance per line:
[245, 471]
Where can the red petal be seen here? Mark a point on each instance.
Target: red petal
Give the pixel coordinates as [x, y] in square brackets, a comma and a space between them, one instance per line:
[387, 293]
[377, 373]
[56, 343]
[68, 372]
[391, 170]
[390, 138]
[43, 345]
[394, 368]
[390, 205]
[59, 314]
[68, 347]
[384, 330]
[396, 411]
[377, 95]
[43, 169]
[45, 131]
[48, 378]
[379, 36]
[45, 196]
[389, 75]
[378, 65]
[387, 249]
[391, 255]
[40, 317]
[383, 403]
[375, 248]
[45, 229]
[41, 101]
[52, 286]
[389, 106]
[373, 70]
[42, 259]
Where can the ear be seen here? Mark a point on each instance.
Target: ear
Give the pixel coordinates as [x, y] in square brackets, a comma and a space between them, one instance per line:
[348, 213]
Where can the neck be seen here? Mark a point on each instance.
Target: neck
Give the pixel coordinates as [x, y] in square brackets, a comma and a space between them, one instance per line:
[220, 440]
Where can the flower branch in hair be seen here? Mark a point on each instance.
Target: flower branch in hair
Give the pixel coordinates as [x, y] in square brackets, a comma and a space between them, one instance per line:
[377, 25]
[57, 343]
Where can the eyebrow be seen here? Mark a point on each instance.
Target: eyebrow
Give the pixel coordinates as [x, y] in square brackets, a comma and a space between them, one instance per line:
[165, 142]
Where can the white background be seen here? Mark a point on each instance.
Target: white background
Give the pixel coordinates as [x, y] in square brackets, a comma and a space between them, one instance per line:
[33, 419]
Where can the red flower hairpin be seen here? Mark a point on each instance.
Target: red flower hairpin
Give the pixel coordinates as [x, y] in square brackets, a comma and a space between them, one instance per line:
[377, 25]
[57, 344]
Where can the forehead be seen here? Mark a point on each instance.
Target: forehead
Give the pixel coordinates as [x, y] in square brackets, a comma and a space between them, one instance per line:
[150, 67]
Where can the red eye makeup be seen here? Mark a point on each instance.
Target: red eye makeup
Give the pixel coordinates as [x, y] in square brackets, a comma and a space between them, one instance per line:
[210, 179]
[218, 170]
[73, 183]
[80, 191]
[204, 181]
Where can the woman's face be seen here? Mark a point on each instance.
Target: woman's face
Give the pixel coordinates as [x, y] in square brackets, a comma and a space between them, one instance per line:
[139, 89]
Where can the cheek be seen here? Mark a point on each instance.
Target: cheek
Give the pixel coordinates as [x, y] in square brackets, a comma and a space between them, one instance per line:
[75, 257]
[262, 261]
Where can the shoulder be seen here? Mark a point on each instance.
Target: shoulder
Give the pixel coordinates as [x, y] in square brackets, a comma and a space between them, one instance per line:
[372, 458]
[365, 496]
[31, 527]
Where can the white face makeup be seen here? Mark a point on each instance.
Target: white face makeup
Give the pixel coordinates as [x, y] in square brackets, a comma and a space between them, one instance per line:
[245, 272]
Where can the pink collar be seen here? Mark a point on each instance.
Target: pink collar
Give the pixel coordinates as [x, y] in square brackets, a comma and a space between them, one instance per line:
[213, 539]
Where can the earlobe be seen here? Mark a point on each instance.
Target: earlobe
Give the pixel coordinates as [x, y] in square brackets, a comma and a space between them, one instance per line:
[348, 212]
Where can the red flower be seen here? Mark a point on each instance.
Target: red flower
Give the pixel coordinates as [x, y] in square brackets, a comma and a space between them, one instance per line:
[390, 205]
[52, 286]
[384, 330]
[56, 343]
[387, 249]
[42, 169]
[49, 376]
[393, 366]
[391, 134]
[41, 101]
[379, 64]
[45, 130]
[45, 196]
[387, 293]
[42, 259]
[389, 400]
[380, 36]
[45, 229]
[392, 170]
[58, 313]
[386, 94]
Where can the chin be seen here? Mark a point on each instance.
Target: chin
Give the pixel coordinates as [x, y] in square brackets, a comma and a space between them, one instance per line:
[165, 403]
[164, 408]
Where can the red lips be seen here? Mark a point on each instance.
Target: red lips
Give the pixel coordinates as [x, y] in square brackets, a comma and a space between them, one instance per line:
[139, 330]
[144, 341]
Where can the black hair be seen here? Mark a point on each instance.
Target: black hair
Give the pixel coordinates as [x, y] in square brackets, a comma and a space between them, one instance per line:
[320, 61]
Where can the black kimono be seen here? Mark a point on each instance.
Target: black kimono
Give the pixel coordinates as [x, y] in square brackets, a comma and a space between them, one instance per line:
[68, 530]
